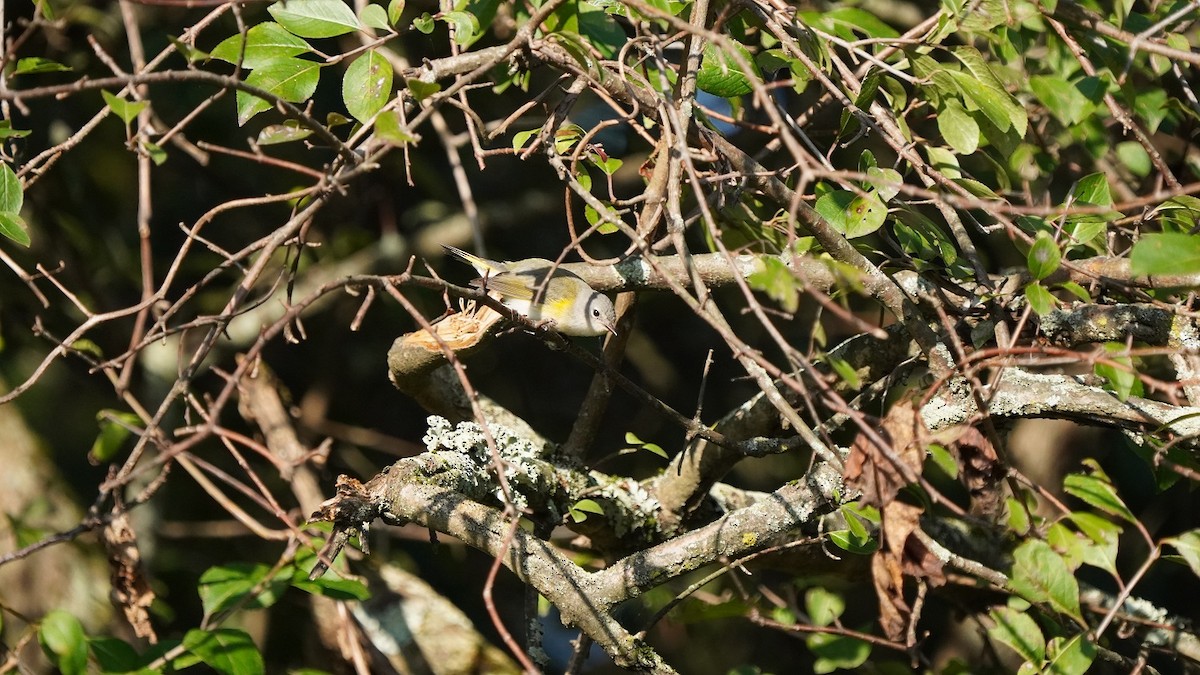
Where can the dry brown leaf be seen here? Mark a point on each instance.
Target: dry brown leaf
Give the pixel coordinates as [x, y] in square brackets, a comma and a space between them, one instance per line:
[130, 591]
[880, 473]
[981, 471]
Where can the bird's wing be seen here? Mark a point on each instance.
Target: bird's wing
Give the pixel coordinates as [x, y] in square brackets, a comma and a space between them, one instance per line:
[517, 286]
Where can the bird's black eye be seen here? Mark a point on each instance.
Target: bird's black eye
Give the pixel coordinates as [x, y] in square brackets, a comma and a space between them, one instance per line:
[595, 312]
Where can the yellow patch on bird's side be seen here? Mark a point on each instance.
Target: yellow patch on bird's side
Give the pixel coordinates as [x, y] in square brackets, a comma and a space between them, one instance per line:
[558, 305]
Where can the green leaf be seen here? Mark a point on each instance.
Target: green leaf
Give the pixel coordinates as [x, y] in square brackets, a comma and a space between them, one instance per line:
[289, 131]
[1188, 545]
[608, 165]
[943, 459]
[836, 652]
[154, 152]
[224, 586]
[395, 9]
[36, 64]
[774, 278]
[975, 62]
[465, 25]
[1104, 536]
[846, 371]
[423, 23]
[1068, 543]
[960, 130]
[293, 80]
[851, 214]
[114, 430]
[976, 188]
[522, 137]
[1134, 157]
[823, 606]
[859, 20]
[589, 506]
[1018, 516]
[886, 182]
[655, 449]
[1061, 98]
[188, 51]
[12, 197]
[721, 75]
[1092, 190]
[421, 90]
[855, 537]
[1020, 632]
[13, 227]
[1044, 256]
[126, 110]
[113, 655]
[265, 42]
[64, 642]
[1166, 253]
[944, 161]
[226, 650]
[389, 128]
[1070, 657]
[1040, 575]
[367, 85]
[330, 586]
[374, 16]
[1039, 298]
[1119, 374]
[7, 130]
[1096, 489]
[315, 18]
[1076, 290]
[580, 510]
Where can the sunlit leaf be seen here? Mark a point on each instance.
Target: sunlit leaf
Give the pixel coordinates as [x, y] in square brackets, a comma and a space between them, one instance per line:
[1166, 253]
[315, 18]
[226, 650]
[224, 586]
[1039, 298]
[265, 42]
[36, 64]
[1020, 632]
[852, 214]
[64, 642]
[374, 16]
[1039, 574]
[388, 127]
[1118, 371]
[1096, 489]
[836, 652]
[293, 80]
[1044, 256]
[126, 110]
[823, 606]
[367, 85]
[1188, 546]
[1134, 157]
[422, 90]
[289, 131]
[959, 129]
[775, 279]
[1072, 656]
[720, 74]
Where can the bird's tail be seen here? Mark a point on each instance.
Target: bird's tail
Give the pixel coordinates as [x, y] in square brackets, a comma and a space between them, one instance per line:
[481, 265]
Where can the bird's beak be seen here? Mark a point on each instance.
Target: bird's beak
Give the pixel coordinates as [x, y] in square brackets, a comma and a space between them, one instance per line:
[610, 327]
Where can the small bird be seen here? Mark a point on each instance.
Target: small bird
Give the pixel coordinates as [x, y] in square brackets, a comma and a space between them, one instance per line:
[566, 300]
